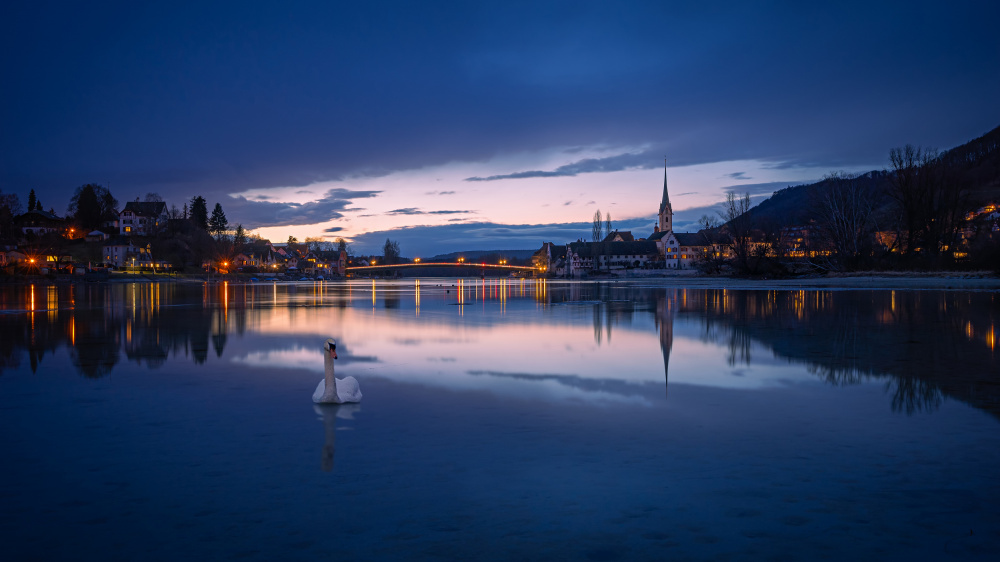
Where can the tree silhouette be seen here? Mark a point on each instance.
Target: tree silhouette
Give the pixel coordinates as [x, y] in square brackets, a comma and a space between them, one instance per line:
[92, 205]
[390, 252]
[218, 223]
[199, 212]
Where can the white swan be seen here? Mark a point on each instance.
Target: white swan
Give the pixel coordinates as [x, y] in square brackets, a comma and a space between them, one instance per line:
[331, 390]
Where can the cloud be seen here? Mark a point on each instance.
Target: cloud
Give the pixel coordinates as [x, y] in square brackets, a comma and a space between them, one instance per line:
[415, 211]
[440, 192]
[333, 229]
[628, 161]
[256, 214]
[739, 176]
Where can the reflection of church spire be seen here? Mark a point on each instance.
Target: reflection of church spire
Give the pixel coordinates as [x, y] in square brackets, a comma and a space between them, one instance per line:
[665, 321]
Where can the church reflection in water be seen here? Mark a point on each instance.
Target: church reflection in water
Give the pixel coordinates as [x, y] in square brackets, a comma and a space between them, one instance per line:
[925, 345]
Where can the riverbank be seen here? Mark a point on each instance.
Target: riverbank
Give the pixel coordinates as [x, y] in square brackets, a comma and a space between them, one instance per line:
[981, 281]
[687, 278]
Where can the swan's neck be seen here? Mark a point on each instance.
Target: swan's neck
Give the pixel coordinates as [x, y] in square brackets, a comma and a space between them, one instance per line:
[331, 381]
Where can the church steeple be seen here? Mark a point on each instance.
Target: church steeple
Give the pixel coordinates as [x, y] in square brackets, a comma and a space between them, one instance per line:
[666, 212]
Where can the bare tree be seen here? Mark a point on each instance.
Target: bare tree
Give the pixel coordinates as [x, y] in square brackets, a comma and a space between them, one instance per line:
[738, 230]
[597, 227]
[607, 224]
[932, 197]
[846, 219]
[711, 260]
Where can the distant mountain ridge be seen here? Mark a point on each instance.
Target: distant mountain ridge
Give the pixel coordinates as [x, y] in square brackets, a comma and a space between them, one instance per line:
[473, 254]
[978, 160]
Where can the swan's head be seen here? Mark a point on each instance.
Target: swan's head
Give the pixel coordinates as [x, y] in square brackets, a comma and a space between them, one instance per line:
[330, 346]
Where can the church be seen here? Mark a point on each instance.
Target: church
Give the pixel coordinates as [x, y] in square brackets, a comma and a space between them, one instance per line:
[619, 252]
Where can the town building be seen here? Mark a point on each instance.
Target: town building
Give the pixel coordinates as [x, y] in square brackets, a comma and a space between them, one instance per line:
[142, 218]
[40, 222]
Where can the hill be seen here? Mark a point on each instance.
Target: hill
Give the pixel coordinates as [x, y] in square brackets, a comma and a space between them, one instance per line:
[474, 254]
[977, 164]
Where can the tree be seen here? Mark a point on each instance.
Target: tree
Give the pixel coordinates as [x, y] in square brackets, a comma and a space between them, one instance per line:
[390, 252]
[239, 238]
[92, 205]
[10, 207]
[595, 230]
[32, 199]
[199, 212]
[218, 223]
[738, 229]
[846, 219]
[931, 195]
[152, 197]
[109, 205]
[316, 244]
[607, 224]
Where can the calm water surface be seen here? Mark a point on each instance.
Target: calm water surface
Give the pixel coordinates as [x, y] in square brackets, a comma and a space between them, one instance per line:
[501, 420]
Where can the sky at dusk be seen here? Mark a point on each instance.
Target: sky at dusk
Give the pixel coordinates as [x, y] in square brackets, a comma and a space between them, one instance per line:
[453, 126]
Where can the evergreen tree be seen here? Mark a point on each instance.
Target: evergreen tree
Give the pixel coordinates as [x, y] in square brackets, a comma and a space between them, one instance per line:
[32, 199]
[218, 223]
[239, 237]
[199, 212]
[92, 205]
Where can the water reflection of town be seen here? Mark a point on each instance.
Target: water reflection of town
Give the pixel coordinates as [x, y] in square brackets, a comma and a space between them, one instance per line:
[926, 345]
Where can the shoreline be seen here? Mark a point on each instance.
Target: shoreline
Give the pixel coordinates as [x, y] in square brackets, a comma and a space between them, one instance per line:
[861, 280]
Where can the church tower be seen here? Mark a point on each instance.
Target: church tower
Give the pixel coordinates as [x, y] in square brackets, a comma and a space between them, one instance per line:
[666, 213]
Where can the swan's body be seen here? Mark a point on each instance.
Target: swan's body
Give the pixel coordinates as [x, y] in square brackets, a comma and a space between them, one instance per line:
[331, 390]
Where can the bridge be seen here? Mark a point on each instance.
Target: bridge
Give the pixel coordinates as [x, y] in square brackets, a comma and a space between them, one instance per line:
[467, 265]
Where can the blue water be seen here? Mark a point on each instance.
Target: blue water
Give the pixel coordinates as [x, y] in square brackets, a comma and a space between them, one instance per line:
[500, 420]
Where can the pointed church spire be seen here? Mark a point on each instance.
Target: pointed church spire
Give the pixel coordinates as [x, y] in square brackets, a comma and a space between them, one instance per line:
[666, 212]
[665, 202]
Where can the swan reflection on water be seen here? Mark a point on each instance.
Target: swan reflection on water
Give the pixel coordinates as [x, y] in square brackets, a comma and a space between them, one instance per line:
[329, 413]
